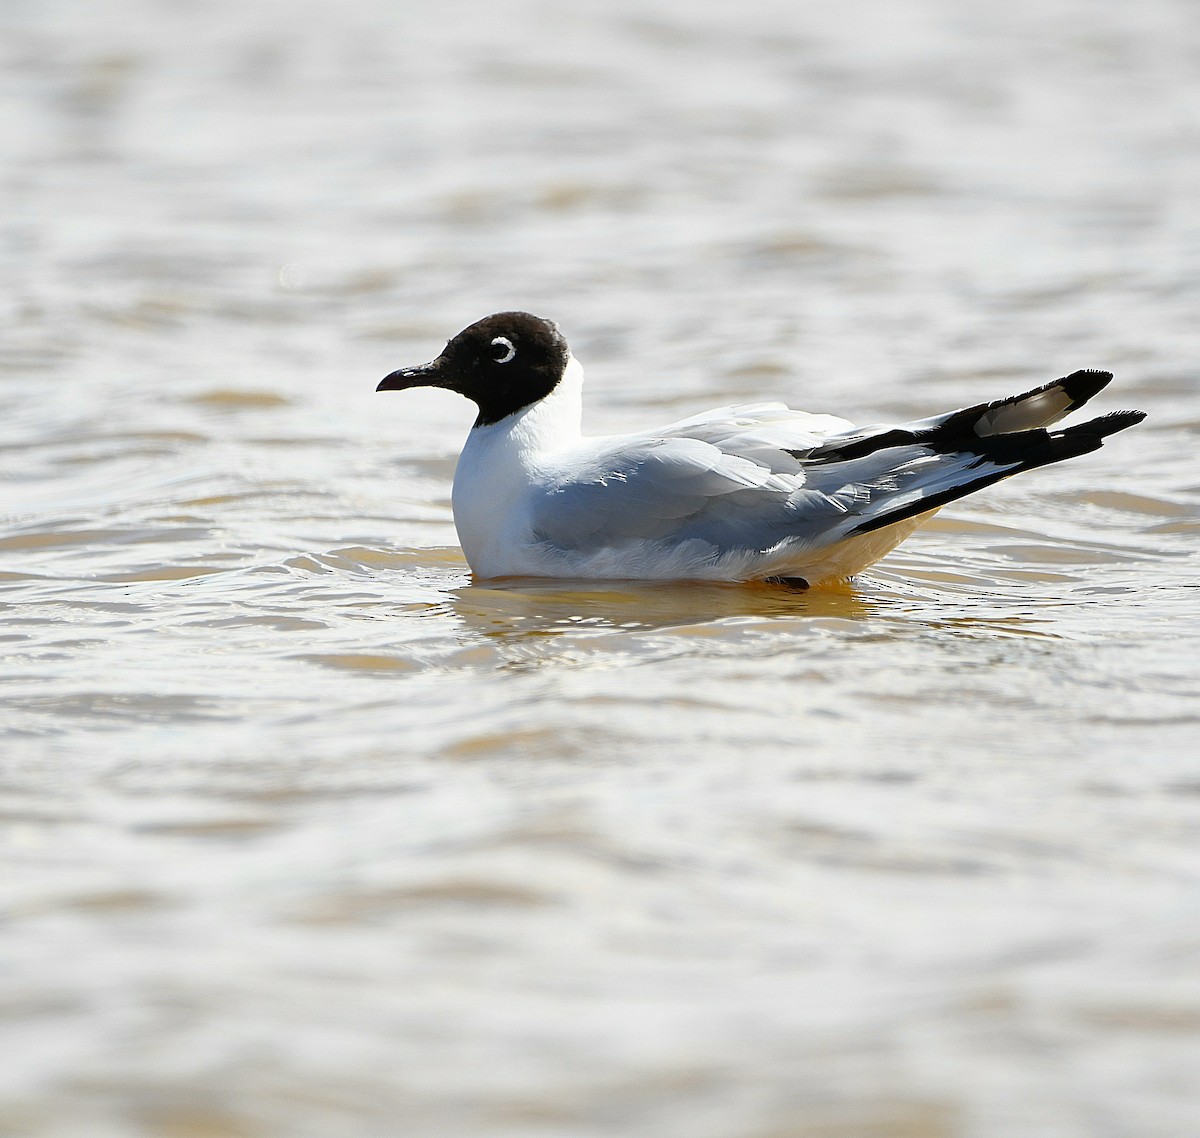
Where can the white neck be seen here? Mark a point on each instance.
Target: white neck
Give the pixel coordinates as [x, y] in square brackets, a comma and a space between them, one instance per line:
[498, 463]
[549, 423]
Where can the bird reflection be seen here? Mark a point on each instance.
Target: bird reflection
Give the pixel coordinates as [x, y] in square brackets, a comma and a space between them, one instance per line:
[523, 607]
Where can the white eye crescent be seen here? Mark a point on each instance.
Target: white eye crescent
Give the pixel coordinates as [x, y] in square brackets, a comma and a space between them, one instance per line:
[503, 349]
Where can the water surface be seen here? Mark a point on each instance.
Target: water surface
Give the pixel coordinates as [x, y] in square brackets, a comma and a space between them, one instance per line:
[304, 833]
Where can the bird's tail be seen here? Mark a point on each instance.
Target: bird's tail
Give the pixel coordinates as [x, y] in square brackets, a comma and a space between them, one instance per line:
[987, 460]
[958, 453]
[1041, 407]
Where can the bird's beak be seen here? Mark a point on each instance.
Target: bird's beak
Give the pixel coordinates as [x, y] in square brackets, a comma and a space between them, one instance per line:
[427, 375]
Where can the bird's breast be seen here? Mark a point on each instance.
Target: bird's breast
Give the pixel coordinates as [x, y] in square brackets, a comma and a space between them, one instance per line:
[493, 484]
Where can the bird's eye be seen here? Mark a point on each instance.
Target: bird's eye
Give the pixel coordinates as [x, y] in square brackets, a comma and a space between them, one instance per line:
[502, 349]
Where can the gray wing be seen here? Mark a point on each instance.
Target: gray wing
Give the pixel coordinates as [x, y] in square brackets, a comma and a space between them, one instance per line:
[756, 477]
[662, 488]
[767, 433]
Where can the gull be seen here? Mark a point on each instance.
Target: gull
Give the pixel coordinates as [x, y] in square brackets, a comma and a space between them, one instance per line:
[748, 492]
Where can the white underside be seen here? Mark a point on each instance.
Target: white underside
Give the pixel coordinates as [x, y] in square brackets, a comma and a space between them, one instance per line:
[696, 560]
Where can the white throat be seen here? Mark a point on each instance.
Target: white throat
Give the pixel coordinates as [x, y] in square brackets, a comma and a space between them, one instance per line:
[498, 464]
[550, 423]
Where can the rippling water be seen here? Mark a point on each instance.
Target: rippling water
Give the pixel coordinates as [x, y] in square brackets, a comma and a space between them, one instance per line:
[305, 834]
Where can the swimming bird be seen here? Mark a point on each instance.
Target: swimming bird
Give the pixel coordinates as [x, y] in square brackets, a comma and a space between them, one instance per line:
[739, 493]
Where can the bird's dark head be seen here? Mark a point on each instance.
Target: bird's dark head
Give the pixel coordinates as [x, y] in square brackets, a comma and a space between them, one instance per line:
[504, 363]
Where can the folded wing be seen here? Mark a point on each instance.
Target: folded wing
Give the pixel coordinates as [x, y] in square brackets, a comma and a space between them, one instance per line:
[762, 478]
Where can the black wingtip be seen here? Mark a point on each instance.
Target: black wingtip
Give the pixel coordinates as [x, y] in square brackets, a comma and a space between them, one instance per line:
[1080, 386]
[1107, 425]
[1009, 454]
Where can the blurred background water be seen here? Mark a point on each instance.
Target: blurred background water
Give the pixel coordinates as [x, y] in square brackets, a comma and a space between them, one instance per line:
[305, 834]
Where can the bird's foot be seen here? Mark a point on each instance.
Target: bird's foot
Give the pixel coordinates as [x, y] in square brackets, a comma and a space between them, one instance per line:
[797, 583]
